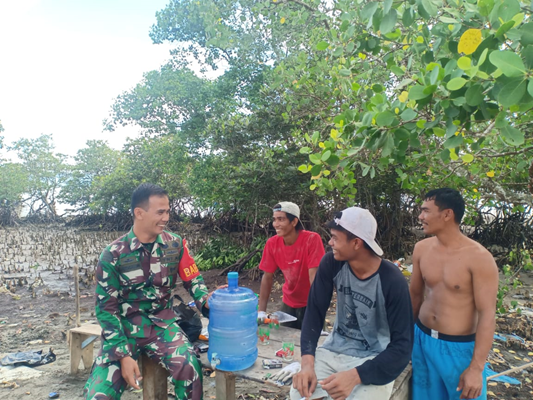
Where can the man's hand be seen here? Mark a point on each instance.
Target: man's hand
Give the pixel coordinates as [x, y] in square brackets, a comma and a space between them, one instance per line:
[261, 316]
[130, 371]
[340, 385]
[470, 383]
[211, 294]
[305, 380]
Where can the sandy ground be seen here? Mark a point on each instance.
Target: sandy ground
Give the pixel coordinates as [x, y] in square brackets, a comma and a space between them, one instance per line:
[39, 318]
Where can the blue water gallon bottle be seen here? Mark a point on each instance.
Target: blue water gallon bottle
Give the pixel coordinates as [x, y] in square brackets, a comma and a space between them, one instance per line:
[232, 327]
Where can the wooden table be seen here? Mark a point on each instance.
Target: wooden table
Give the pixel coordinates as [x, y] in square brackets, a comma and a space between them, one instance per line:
[225, 381]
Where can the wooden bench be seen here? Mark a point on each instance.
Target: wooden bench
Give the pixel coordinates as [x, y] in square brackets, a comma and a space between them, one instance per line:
[225, 381]
[81, 340]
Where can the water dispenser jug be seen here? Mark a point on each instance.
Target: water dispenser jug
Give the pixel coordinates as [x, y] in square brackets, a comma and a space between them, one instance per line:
[232, 327]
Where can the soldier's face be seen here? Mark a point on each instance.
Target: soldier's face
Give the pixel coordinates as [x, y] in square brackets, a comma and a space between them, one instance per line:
[154, 219]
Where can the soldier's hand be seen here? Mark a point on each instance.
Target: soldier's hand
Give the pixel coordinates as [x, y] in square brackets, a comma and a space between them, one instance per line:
[130, 371]
[341, 384]
[211, 293]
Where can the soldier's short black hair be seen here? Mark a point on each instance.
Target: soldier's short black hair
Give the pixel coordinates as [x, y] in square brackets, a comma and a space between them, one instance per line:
[141, 195]
[446, 198]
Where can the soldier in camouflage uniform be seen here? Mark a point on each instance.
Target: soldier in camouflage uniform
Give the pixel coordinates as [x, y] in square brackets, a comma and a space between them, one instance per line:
[135, 277]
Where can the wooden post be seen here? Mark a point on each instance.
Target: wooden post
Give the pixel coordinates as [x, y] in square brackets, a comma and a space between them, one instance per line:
[77, 289]
[225, 385]
[154, 382]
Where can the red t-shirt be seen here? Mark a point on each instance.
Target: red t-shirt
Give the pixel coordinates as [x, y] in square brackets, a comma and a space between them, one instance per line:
[295, 261]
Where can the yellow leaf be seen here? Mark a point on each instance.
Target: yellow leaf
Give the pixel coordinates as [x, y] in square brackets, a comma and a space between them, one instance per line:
[406, 273]
[475, 190]
[490, 174]
[511, 351]
[362, 56]
[405, 47]
[282, 20]
[530, 353]
[396, 110]
[491, 393]
[526, 359]
[507, 385]
[451, 27]
[403, 97]
[469, 42]
[492, 384]
[322, 145]
[496, 350]
[373, 121]
[517, 358]
[420, 39]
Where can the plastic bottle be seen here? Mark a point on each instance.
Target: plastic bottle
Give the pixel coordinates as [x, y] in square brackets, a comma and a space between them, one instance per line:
[232, 327]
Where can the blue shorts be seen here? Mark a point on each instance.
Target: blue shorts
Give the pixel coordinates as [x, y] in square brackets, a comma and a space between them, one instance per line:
[438, 362]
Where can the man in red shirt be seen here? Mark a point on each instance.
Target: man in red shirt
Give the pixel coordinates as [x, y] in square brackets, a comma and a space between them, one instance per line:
[297, 253]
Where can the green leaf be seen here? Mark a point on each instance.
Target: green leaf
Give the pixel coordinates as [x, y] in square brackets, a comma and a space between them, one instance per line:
[527, 54]
[526, 31]
[467, 158]
[368, 10]
[314, 158]
[326, 155]
[456, 84]
[345, 72]
[453, 142]
[513, 135]
[464, 63]
[503, 29]
[397, 71]
[303, 168]
[510, 91]
[387, 4]
[333, 160]
[530, 87]
[508, 62]
[385, 118]
[448, 20]
[408, 114]
[388, 22]
[417, 93]
[322, 45]
[305, 150]
[485, 7]
[474, 95]
[315, 171]
[408, 16]
[429, 7]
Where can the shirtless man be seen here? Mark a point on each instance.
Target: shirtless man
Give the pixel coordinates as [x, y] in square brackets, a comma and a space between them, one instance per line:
[453, 292]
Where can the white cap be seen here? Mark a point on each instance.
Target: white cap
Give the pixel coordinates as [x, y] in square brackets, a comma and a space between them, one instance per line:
[288, 207]
[362, 224]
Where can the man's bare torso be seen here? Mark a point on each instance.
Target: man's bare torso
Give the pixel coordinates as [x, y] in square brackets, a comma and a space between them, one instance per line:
[449, 305]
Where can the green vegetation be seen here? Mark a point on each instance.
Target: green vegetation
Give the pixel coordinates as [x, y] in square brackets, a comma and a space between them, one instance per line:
[324, 103]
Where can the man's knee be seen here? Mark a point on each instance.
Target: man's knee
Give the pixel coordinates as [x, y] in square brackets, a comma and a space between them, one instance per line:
[105, 382]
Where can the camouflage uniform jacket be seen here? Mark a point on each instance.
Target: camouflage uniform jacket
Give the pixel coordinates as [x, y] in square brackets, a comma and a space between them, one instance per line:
[134, 288]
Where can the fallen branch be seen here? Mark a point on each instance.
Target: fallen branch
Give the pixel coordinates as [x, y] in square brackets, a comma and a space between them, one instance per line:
[239, 265]
[509, 371]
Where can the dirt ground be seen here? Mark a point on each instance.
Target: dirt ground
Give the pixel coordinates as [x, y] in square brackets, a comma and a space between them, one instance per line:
[38, 318]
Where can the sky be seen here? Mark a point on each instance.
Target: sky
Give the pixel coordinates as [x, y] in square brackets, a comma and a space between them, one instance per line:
[63, 62]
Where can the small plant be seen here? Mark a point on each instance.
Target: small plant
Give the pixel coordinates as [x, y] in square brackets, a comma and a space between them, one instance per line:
[519, 259]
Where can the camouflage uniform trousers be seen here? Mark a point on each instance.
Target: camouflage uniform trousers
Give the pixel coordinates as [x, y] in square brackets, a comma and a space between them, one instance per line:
[170, 348]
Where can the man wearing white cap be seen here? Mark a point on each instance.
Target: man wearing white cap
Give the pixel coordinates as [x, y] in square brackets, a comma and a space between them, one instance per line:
[372, 337]
[297, 253]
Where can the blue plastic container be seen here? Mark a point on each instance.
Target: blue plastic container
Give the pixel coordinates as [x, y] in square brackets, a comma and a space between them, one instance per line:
[232, 327]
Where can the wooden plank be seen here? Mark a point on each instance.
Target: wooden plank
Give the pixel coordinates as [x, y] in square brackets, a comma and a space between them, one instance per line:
[88, 329]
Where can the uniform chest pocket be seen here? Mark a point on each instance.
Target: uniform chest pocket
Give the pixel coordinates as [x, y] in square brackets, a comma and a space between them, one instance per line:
[130, 272]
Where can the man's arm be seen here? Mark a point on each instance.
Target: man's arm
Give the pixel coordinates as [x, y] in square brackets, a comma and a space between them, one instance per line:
[115, 344]
[417, 286]
[485, 285]
[266, 289]
[312, 274]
